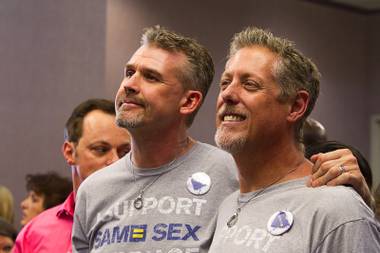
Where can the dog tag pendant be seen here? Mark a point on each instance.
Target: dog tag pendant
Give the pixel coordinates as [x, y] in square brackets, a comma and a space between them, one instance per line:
[138, 202]
[233, 219]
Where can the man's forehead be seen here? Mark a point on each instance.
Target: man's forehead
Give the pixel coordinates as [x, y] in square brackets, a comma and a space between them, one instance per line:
[155, 57]
[95, 122]
[96, 116]
[99, 126]
[250, 59]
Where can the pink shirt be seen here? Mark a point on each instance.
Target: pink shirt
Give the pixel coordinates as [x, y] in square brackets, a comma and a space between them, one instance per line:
[50, 231]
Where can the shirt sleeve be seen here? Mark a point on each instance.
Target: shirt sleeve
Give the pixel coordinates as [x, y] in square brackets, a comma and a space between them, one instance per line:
[360, 236]
[80, 242]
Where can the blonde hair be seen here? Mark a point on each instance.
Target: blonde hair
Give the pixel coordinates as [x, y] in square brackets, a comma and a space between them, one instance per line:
[6, 204]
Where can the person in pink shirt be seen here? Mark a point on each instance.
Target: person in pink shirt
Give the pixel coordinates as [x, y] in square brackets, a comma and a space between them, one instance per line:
[44, 190]
[92, 141]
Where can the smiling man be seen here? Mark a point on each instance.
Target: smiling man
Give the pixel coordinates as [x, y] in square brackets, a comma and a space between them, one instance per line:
[267, 90]
[163, 196]
[92, 142]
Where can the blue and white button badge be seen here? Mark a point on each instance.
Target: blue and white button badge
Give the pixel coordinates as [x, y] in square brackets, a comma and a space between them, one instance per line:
[280, 222]
[199, 183]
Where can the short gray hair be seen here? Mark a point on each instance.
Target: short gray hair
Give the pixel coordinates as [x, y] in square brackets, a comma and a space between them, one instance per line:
[293, 71]
[200, 71]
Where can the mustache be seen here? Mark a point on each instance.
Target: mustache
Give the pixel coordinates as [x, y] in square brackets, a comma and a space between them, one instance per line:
[230, 109]
[131, 98]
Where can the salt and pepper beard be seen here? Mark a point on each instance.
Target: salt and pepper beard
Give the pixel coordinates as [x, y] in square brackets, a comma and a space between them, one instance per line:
[130, 122]
[229, 143]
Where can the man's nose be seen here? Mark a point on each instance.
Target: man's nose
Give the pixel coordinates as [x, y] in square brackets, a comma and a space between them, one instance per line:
[113, 157]
[230, 93]
[131, 84]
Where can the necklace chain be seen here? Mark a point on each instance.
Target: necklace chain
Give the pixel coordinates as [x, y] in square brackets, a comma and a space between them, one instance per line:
[234, 218]
[138, 202]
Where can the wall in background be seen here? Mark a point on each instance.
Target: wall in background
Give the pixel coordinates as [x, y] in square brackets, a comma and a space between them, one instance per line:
[52, 56]
[374, 57]
[55, 54]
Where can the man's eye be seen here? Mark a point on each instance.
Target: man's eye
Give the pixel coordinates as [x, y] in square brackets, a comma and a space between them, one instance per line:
[123, 152]
[151, 78]
[100, 150]
[224, 83]
[251, 85]
[129, 73]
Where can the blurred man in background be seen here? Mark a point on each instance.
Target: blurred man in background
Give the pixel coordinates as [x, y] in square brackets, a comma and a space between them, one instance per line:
[92, 142]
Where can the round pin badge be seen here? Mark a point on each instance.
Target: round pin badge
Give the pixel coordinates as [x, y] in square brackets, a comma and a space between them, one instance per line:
[199, 183]
[280, 222]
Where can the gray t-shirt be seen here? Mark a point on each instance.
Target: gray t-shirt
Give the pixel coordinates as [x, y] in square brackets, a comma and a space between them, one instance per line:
[179, 213]
[325, 219]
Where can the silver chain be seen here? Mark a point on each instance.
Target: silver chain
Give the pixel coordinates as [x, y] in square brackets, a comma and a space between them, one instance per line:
[138, 202]
[234, 218]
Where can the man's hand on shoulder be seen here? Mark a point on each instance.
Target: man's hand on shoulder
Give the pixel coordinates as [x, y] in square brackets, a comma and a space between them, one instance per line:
[339, 167]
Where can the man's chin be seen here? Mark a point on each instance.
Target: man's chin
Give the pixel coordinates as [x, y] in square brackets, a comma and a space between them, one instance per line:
[128, 124]
[231, 145]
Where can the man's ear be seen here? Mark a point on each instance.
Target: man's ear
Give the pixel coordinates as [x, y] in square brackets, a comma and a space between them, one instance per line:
[191, 102]
[299, 106]
[68, 151]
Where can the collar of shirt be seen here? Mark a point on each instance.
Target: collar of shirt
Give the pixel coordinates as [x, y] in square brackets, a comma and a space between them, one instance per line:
[67, 208]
